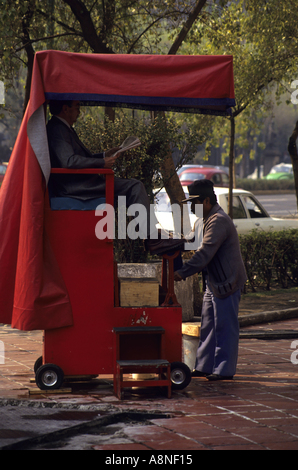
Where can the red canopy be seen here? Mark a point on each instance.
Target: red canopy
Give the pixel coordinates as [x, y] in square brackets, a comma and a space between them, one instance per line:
[32, 291]
[178, 83]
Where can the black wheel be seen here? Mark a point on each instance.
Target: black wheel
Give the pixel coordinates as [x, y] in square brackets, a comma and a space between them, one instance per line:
[38, 364]
[49, 377]
[180, 375]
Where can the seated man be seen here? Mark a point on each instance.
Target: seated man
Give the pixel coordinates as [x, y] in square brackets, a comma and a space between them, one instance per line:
[67, 151]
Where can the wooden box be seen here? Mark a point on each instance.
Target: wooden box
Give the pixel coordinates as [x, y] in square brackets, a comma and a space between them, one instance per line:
[139, 292]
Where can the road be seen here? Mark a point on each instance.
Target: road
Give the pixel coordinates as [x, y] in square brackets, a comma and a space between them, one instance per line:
[283, 205]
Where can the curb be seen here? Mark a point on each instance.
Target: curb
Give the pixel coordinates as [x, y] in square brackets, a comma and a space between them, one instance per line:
[84, 428]
[267, 317]
[269, 334]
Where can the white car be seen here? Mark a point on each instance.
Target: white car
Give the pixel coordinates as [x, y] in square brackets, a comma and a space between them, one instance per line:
[248, 213]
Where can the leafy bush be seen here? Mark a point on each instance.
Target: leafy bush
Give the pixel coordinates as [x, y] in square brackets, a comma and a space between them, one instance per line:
[265, 185]
[142, 163]
[270, 258]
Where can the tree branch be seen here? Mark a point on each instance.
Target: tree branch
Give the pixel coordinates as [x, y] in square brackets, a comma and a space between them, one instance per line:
[142, 34]
[187, 26]
[32, 41]
[60, 23]
[89, 33]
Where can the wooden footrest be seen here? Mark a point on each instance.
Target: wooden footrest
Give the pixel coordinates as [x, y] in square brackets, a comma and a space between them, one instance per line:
[144, 363]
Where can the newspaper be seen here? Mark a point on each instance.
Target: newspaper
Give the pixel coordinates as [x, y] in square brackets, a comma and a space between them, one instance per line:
[129, 143]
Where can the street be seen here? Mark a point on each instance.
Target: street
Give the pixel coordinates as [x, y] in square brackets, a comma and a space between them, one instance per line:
[279, 205]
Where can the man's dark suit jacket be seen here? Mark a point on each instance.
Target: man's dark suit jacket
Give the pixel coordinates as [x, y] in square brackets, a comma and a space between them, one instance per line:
[67, 151]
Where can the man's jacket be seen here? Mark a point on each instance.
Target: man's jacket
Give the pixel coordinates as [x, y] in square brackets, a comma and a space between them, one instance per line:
[67, 151]
[219, 255]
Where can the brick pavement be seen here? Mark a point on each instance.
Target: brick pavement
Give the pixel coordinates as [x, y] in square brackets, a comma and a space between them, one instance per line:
[257, 410]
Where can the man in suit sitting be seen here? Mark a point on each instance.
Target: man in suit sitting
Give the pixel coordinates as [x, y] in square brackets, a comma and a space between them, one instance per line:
[67, 151]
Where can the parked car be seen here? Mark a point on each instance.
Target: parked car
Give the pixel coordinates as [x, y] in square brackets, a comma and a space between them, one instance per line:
[248, 213]
[282, 171]
[3, 169]
[196, 165]
[217, 176]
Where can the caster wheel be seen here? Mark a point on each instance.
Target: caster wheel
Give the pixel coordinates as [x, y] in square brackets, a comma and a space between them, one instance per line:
[49, 377]
[180, 375]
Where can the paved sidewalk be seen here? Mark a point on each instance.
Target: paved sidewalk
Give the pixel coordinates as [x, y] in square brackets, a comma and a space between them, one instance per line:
[257, 410]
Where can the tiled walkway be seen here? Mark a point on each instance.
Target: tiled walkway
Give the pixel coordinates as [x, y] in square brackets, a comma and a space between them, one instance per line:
[257, 410]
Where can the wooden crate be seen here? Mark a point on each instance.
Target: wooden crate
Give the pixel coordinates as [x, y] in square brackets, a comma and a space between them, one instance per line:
[139, 292]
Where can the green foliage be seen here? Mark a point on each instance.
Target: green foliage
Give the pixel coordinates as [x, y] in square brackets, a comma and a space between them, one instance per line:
[270, 258]
[114, 26]
[262, 184]
[142, 163]
[262, 37]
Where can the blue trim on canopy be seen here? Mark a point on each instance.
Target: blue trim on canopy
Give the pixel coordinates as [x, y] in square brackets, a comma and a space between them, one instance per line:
[220, 106]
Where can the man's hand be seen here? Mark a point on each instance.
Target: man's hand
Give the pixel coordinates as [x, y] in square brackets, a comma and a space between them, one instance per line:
[177, 277]
[111, 152]
[110, 161]
[110, 157]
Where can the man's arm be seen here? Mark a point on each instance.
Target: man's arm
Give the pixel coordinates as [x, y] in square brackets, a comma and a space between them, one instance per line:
[64, 154]
[67, 153]
[215, 233]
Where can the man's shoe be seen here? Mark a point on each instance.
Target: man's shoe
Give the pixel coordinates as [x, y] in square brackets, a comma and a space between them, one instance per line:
[197, 373]
[215, 377]
[161, 246]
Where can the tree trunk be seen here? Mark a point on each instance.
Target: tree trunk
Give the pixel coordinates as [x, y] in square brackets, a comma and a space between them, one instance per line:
[171, 180]
[110, 113]
[292, 149]
[30, 55]
[26, 21]
[231, 166]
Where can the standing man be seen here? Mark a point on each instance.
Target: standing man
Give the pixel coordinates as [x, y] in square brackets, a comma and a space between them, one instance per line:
[220, 261]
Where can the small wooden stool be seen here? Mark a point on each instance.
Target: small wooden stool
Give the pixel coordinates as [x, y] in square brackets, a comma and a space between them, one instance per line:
[159, 366]
[140, 350]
